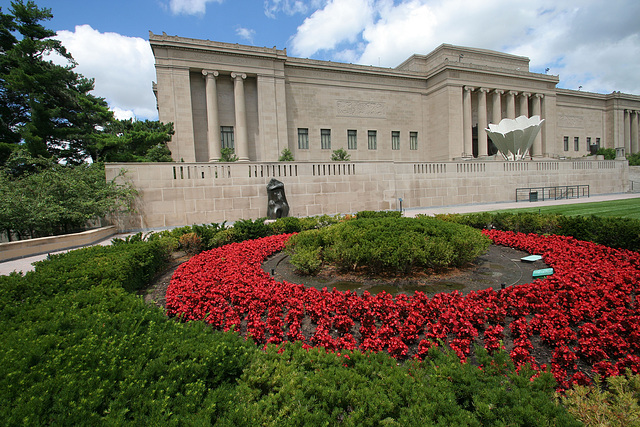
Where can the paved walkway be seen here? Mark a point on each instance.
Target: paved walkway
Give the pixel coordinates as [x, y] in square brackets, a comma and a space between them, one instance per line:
[26, 264]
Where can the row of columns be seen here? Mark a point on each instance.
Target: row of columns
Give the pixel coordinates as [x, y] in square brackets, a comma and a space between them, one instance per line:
[496, 115]
[213, 123]
[631, 143]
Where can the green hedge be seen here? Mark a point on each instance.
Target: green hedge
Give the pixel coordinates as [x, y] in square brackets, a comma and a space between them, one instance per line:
[79, 349]
[387, 244]
[614, 232]
[378, 214]
[292, 386]
[214, 235]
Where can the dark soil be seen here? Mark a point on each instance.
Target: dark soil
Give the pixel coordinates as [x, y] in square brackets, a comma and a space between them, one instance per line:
[156, 293]
[499, 265]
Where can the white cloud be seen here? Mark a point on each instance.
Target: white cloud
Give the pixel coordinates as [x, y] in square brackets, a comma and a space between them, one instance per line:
[590, 43]
[123, 69]
[289, 7]
[246, 34]
[190, 7]
[339, 21]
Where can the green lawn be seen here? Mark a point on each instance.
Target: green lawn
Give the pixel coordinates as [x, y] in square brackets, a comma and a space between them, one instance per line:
[629, 208]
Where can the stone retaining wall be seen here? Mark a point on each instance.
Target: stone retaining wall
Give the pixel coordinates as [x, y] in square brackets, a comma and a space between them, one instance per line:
[174, 194]
[43, 245]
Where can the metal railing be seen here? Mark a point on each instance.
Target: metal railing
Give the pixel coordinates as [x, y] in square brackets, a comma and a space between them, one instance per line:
[534, 194]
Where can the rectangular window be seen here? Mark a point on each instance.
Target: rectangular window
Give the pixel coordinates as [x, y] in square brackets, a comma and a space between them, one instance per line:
[588, 141]
[395, 140]
[352, 139]
[303, 138]
[413, 140]
[373, 140]
[566, 143]
[226, 136]
[325, 139]
[598, 143]
[576, 143]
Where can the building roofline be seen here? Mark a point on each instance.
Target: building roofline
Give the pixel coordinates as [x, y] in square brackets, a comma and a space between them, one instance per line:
[164, 40]
[462, 49]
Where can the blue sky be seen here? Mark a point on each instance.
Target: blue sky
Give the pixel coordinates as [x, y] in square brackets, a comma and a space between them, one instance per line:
[593, 45]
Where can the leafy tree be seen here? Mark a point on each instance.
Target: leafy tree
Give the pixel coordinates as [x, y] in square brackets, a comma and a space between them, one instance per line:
[608, 153]
[41, 197]
[45, 106]
[131, 141]
[227, 155]
[340, 155]
[634, 159]
[286, 156]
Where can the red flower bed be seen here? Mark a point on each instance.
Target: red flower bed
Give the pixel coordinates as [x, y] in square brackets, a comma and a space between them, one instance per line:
[585, 317]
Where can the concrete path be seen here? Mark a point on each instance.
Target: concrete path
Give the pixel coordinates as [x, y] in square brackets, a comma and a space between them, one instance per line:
[26, 264]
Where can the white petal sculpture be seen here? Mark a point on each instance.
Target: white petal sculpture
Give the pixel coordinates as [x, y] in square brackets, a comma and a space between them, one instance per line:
[514, 137]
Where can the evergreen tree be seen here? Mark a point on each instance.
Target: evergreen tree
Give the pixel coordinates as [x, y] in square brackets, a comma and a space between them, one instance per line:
[131, 141]
[45, 106]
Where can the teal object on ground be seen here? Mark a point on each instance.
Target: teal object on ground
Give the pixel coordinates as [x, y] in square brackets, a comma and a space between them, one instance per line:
[544, 272]
[531, 258]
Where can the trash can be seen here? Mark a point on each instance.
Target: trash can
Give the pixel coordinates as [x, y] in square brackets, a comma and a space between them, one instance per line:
[533, 196]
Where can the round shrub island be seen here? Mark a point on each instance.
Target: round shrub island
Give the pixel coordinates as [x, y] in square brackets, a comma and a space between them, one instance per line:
[387, 246]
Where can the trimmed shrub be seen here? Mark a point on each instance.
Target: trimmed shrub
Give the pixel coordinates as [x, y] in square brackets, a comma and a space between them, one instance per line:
[79, 349]
[191, 243]
[288, 385]
[288, 225]
[622, 233]
[378, 214]
[389, 245]
[222, 238]
[246, 229]
[613, 401]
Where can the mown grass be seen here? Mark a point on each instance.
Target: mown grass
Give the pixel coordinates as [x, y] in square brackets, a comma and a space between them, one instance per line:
[628, 208]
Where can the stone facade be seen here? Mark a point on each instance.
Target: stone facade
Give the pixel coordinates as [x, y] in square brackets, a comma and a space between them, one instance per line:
[174, 194]
[430, 108]
[414, 132]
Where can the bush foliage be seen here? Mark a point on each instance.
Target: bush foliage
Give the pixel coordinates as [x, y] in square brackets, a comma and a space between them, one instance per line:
[622, 233]
[57, 199]
[289, 385]
[387, 245]
[79, 347]
[610, 402]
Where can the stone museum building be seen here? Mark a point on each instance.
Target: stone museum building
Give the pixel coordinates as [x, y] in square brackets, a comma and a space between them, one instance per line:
[414, 133]
[430, 108]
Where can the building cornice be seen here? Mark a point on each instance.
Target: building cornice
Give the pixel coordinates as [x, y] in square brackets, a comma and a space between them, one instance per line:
[350, 68]
[485, 69]
[176, 42]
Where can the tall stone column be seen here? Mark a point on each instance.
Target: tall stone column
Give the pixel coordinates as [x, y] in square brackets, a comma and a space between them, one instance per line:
[466, 122]
[213, 123]
[482, 122]
[240, 134]
[537, 111]
[627, 131]
[511, 104]
[634, 132]
[524, 104]
[496, 115]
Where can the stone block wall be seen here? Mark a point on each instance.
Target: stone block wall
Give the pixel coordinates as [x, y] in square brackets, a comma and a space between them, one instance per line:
[175, 194]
